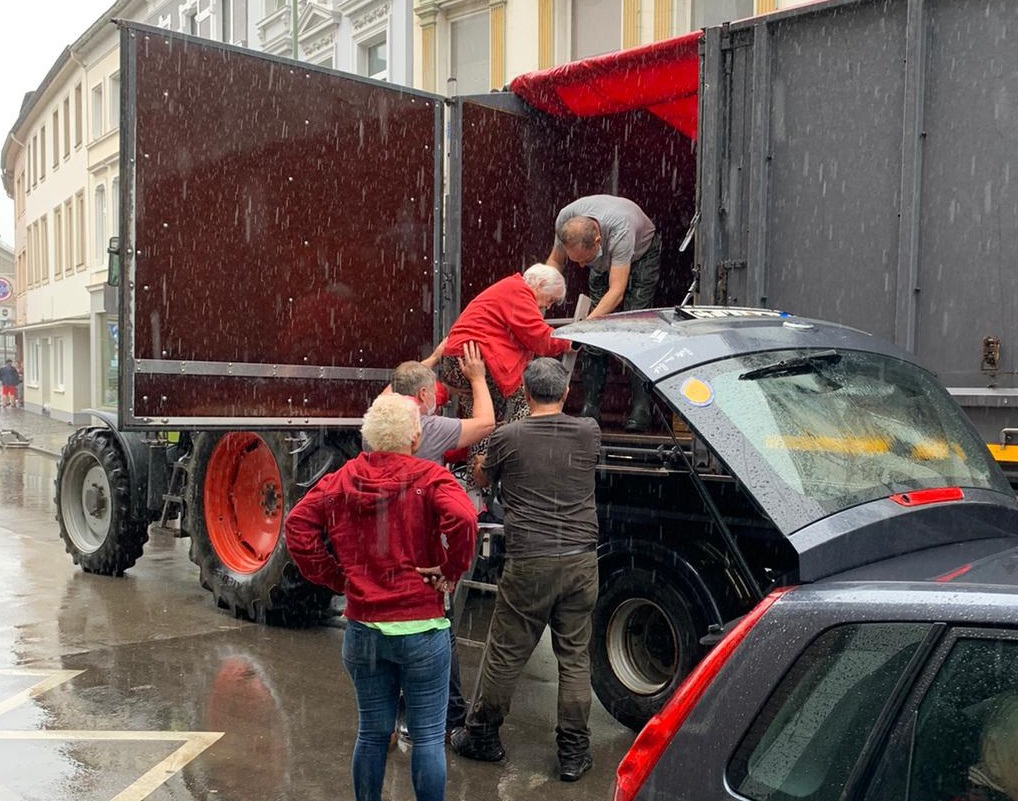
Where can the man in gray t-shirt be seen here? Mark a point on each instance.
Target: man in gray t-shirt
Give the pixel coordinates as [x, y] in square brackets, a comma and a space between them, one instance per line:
[545, 466]
[440, 434]
[618, 244]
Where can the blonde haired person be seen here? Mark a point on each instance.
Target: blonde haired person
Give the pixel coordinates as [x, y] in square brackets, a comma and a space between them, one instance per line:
[400, 531]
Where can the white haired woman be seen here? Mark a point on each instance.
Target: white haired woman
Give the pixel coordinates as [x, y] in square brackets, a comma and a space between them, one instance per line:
[400, 532]
[507, 322]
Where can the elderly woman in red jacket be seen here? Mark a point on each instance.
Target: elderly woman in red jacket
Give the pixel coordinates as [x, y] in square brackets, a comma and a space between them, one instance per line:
[394, 533]
[507, 321]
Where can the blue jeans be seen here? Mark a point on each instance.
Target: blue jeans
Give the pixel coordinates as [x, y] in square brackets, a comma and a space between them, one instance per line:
[380, 666]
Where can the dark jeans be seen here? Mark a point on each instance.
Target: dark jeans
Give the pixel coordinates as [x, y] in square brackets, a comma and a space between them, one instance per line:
[559, 592]
[380, 666]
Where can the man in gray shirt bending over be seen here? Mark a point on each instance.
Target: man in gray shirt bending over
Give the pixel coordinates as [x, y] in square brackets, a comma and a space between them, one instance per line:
[545, 467]
[621, 249]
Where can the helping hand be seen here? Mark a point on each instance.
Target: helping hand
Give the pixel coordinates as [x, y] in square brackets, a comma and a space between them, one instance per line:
[471, 363]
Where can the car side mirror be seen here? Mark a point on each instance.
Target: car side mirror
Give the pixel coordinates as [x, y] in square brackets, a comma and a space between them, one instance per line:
[113, 262]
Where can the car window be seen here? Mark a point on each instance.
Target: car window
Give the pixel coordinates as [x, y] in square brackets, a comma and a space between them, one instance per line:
[965, 742]
[810, 733]
[815, 432]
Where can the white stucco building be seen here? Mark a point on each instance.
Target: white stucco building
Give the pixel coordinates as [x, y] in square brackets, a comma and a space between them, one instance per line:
[60, 160]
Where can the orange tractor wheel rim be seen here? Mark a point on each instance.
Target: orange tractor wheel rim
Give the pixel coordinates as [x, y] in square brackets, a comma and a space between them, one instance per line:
[243, 501]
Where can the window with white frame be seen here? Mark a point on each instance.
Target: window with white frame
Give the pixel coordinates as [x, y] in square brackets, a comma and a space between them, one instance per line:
[115, 100]
[56, 138]
[68, 236]
[714, 12]
[79, 115]
[115, 207]
[42, 152]
[67, 127]
[469, 58]
[58, 363]
[100, 222]
[97, 111]
[376, 60]
[44, 248]
[226, 20]
[79, 229]
[58, 242]
[34, 359]
[596, 27]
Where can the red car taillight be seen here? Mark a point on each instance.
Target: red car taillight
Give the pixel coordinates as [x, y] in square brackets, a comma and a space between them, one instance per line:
[652, 741]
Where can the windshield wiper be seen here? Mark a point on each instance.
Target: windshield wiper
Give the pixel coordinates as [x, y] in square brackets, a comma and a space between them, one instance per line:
[789, 367]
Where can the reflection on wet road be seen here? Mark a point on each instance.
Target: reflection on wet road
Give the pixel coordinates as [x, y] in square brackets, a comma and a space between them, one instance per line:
[124, 676]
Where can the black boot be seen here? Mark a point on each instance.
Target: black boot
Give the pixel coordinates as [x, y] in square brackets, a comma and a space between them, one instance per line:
[594, 365]
[640, 412]
[573, 767]
[480, 743]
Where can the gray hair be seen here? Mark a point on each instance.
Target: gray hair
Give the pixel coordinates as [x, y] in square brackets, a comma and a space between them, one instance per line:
[410, 377]
[391, 423]
[545, 380]
[547, 279]
[577, 231]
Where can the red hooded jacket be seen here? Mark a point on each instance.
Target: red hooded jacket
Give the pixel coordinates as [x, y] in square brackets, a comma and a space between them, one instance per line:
[384, 514]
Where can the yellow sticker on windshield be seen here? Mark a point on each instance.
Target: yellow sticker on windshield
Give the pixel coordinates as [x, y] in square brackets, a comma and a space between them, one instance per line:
[697, 392]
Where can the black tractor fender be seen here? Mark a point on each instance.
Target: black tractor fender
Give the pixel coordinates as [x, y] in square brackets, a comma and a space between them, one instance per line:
[137, 453]
[615, 555]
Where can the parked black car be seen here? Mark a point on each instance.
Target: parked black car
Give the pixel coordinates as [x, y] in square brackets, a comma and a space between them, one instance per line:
[849, 690]
[784, 451]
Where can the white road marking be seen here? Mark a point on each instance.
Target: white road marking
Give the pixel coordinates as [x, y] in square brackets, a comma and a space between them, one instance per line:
[193, 743]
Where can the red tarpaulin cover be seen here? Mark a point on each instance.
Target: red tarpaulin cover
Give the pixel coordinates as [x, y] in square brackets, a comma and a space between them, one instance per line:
[660, 77]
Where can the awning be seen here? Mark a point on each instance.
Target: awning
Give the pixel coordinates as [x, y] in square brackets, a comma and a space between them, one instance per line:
[661, 77]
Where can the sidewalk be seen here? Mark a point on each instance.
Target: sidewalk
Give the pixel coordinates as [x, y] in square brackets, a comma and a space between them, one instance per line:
[45, 434]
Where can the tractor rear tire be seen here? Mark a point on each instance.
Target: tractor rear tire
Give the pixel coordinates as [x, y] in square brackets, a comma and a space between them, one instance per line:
[240, 487]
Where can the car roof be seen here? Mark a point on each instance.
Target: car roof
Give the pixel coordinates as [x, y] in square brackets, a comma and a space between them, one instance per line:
[953, 601]
[662, 342]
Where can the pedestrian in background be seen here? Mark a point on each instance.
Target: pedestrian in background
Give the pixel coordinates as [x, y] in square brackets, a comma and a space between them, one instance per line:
[394, 533]
[9, 380]
[544, 466]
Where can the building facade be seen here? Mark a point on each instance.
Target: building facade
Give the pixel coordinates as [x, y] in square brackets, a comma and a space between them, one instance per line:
[476, 46]
[60, 161]
[60, 164]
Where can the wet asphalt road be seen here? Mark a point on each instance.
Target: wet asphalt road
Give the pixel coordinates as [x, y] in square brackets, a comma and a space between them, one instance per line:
[139, 687]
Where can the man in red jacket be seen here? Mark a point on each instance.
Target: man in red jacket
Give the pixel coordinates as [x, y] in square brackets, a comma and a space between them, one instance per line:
[394, 533]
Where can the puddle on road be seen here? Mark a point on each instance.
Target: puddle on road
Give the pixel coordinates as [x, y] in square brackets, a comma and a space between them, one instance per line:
[26, 479]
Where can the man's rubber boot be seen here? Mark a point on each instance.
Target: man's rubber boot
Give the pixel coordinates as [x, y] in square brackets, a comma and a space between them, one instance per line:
[595, 372]
[478, 744]
[640, 411]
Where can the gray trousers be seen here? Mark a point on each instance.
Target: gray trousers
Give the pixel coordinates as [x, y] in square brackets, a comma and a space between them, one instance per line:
[559, 592]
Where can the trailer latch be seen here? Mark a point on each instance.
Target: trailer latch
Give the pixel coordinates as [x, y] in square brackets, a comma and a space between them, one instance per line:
[991, 355]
